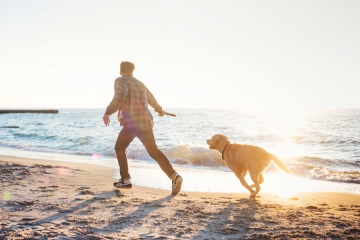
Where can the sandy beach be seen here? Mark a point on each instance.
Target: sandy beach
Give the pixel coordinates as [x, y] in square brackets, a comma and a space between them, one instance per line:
[42, 199]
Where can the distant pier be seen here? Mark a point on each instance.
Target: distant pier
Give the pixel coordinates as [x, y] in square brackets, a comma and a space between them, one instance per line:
[28, 111]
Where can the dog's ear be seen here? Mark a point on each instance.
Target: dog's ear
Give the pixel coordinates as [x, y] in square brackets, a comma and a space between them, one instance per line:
[217, 138]
[222, 135]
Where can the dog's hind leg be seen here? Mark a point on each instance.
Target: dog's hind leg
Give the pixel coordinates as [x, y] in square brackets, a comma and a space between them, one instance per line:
[243, 182]
[256, 179]
[261, 180]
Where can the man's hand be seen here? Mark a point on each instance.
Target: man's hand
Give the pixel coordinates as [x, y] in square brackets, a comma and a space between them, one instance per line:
[162, 113]
[106, 119]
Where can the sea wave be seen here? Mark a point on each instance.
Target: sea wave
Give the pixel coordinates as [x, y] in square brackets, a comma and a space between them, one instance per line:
[326, 174]
[25, 135]
[323, 162]
[306, 166]
[184, 155]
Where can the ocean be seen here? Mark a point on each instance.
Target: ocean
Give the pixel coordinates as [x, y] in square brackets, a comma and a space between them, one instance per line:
[321, 148]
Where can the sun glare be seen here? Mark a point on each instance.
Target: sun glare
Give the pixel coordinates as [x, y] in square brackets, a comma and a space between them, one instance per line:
[285, 125]
[286, 121]
[284, 185]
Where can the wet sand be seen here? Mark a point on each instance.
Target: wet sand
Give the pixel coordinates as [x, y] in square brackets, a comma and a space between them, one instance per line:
[42, 199]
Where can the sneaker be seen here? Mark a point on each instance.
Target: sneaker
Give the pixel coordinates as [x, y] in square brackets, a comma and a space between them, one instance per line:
[176, 184]
[122, 184]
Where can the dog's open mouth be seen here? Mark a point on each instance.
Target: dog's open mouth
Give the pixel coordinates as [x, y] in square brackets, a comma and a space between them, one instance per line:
[210, 144]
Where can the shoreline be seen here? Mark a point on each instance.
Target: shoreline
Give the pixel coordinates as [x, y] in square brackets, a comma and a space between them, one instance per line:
[198, 179]
[66, 200]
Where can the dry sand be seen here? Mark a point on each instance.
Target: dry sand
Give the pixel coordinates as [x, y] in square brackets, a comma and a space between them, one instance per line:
[43, 199]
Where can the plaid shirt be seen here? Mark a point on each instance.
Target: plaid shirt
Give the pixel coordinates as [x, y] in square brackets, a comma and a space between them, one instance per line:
[134, 108]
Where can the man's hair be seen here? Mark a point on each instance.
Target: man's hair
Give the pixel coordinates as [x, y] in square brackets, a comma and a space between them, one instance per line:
[126, 67]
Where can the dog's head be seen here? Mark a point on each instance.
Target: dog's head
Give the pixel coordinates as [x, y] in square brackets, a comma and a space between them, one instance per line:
[215, 140]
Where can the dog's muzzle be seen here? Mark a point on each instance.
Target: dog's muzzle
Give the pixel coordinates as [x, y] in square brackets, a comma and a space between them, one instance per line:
[209, 142]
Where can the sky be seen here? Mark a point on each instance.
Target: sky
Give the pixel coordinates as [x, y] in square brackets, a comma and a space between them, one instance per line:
[262, 55]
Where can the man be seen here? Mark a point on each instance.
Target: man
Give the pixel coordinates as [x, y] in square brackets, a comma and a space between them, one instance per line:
[131, 99]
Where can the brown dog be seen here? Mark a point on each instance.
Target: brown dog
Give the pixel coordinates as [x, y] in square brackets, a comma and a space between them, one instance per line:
[243, 158]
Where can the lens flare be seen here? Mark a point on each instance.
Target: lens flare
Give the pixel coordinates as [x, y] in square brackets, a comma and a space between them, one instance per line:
[63, 171]
[6, 195]
[95, 155]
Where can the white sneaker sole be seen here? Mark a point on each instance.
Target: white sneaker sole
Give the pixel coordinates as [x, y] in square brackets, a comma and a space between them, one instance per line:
[123, 187]
[177, 187]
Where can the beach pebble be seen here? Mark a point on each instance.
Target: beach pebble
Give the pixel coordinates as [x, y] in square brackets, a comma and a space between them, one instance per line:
[28, 219]
[86, 192]
[64, 211]
[90, 238]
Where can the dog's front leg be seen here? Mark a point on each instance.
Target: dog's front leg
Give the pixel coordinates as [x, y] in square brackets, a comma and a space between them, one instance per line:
[244, 183]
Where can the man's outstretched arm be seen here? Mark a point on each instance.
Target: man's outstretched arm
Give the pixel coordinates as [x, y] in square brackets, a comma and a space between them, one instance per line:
[120, 92]
[153, 103]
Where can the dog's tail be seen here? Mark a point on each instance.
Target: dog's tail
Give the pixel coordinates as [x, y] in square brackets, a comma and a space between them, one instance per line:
[279, 163]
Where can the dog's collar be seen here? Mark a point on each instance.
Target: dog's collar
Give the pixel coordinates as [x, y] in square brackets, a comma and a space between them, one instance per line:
[223, 152]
